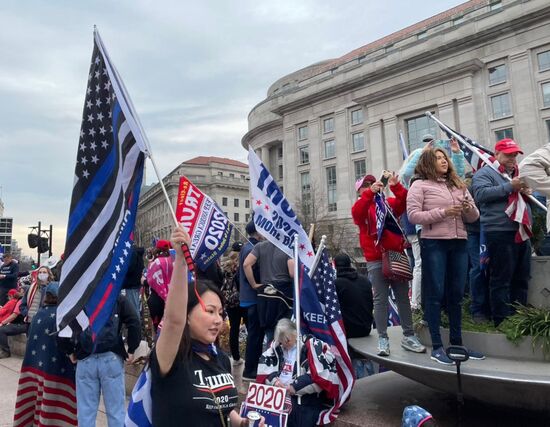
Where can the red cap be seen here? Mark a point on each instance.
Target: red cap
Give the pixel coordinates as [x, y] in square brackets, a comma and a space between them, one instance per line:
[507, 146]
[12, 292]
[367, 178]
[163, 245]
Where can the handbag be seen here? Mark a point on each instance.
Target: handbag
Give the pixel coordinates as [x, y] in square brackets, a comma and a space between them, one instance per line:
[396, 266]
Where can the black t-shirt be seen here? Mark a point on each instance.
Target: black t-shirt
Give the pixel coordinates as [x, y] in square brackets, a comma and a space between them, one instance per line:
[184, 396]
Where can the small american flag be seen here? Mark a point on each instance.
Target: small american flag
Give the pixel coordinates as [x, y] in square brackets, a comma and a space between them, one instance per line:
[318, 300]
[107, 181]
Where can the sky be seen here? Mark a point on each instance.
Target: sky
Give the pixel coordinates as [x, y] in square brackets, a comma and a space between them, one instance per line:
[194, 70]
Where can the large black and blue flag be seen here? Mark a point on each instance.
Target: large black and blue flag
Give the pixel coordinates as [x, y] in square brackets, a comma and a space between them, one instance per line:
[107, 181]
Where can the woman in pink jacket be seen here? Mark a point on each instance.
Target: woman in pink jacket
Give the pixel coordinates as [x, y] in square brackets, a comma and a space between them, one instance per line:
[440, 202]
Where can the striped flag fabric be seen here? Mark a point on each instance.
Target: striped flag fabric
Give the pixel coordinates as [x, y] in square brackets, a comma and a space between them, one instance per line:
[46, 393]
[107, 181]
[475, 154]
[322, 318]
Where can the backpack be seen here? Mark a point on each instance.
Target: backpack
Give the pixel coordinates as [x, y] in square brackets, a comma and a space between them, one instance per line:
[106, 339]
[230, 289]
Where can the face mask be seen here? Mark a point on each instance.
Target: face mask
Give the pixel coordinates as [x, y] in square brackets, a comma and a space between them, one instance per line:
[43, 277]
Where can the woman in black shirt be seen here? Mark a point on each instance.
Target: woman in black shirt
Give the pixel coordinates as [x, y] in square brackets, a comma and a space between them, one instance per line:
[191, 382]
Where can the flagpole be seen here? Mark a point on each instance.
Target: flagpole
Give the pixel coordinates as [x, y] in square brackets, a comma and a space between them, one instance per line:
[297, 307]
[459, 137]
[318, 254]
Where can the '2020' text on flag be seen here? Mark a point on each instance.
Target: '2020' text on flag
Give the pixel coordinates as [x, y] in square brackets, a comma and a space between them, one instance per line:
[273, 215]
[321, 317]
[205, 222]
[108, 175]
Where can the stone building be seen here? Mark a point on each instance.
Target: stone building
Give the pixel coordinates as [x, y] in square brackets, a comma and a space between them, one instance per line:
[225, 180]
[482, 67]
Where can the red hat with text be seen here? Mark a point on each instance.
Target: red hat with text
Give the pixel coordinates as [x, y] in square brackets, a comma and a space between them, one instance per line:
[507, 146]
[367, 178]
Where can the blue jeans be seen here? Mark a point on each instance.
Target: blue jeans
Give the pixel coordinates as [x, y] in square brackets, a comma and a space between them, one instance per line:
[444, 270]
[103, 372]
[479, 286]
[509, 272]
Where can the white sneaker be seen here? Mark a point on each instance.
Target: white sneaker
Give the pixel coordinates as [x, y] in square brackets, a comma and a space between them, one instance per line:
[411, 343]
[383, 346]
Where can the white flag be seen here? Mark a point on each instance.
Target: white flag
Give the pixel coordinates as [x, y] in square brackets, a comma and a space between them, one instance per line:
[273, 215]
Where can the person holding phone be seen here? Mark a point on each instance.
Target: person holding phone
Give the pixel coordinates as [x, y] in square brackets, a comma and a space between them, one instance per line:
[440, 202]
[364, 216]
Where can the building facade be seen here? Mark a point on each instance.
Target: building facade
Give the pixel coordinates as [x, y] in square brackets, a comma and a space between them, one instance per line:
[225, 180]
[6, 230]
[482, 67]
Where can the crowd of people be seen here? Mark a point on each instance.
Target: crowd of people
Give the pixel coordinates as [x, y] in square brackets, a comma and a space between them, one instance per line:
[436, 212]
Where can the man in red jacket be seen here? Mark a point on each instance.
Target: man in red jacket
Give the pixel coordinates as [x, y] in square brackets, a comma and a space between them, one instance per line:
[364, 215]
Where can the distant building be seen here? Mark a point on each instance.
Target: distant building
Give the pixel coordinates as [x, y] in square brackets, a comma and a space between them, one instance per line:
[6, 230]
[482, 67]
[225, 180]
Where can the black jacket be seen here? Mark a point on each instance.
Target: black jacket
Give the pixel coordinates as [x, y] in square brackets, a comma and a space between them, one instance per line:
[355, 294]
[132, 280]
[129, 317]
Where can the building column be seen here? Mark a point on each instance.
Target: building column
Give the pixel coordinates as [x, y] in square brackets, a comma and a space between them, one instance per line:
[467, 115]
[393, 150]
[447, 115]
[375, 147]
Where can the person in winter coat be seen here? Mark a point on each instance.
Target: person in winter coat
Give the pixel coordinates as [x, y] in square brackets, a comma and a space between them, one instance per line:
[364, 216]
[440, 202]
[8, 277]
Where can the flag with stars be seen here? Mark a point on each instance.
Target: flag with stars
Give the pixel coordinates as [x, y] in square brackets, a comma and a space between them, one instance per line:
[46, 394]
[273, 216]
[322, 318]
[107, 181]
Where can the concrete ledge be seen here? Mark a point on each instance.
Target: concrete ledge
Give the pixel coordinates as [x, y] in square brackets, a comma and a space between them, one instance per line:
[18, 344]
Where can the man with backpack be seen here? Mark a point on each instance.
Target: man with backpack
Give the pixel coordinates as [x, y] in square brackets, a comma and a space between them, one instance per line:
[100, 366]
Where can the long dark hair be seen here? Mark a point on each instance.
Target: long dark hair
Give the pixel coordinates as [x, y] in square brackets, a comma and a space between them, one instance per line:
[426, 168]
[202, 286]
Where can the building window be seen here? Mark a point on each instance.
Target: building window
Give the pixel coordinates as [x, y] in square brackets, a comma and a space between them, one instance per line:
[330, 149]
[280, 152]
[417, 127]
[546, 94]
[497, 74]
[305, 185]
[236, 203]
[328, 125]
[358, 141]
[280, 171]
[543, 59]
[247, 217]
[495, 5]
[356, 117]
[548, 128]
[331, 188]
[236, 217]
[226, 214]
[247, 204]
[360, 167]
[243, 176]
[504, 133]
[231, 175]
[220, 173]
[302, 133]
[224, 201]
[422, 35]
[501, 106]
[304, 155]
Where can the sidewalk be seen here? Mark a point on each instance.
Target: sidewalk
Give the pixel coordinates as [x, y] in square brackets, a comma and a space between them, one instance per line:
[9, 377]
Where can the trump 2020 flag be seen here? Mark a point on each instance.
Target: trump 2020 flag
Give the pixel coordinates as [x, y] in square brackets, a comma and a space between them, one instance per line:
[108, 175]
[205, 222]
[273, 216]
[321, 317]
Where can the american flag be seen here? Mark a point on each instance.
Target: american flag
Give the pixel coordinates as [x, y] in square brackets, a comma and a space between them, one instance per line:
[107, 181]
[318, 300]
[46, 394]
[404, 150]
[475, 154]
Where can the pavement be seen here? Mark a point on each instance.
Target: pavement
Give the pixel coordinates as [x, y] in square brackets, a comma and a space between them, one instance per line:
[9, 377]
